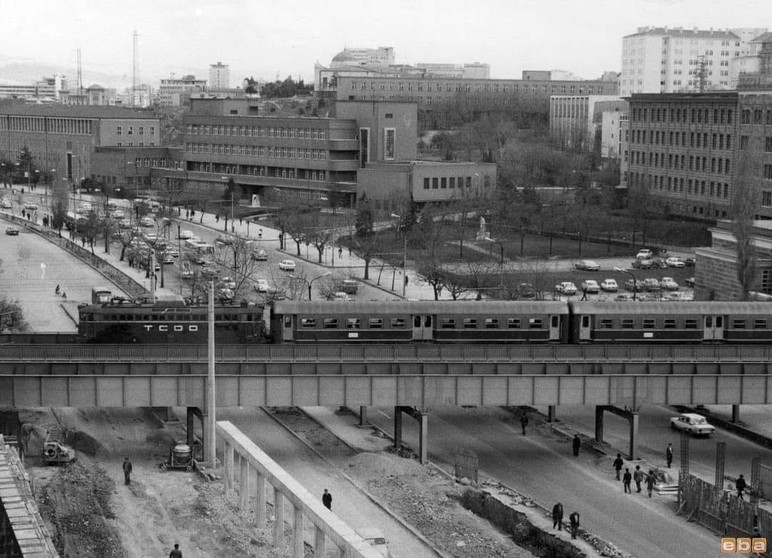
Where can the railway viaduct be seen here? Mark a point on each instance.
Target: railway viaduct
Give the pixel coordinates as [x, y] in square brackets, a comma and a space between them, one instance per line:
[413, 378]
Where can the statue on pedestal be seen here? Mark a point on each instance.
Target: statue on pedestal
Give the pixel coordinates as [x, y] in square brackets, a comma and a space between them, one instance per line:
[482, 233]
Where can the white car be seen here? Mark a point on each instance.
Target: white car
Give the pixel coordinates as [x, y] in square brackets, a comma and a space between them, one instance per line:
[668, 284]
[5, 204]
[693, 424]
[147, 222]
[287, 265]
[261, 285]
[590, 286]
[566, 288]
[644, 254]
[675, 262]
[375, 537]
[228, 283]
[609, 285]
[185, 235]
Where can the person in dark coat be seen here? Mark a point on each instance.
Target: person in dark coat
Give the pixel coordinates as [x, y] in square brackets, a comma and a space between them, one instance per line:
[327, 500]
[638, 478]
[650, 482]
[574, 520]
[576, 444]
[741, 486]
[523, 422]
[557, 516]
[176, 553]
[127, 471]
[618, 463]
[669, 455]
[626, 480]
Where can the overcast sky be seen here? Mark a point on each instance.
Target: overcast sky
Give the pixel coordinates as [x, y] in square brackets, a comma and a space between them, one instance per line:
[284, 37]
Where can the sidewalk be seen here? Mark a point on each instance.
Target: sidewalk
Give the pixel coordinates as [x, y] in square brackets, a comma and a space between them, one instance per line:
[336, 259]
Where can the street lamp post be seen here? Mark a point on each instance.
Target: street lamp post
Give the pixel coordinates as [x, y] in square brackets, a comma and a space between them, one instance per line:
[630, 273]
[404, 255]
[311, 282]
[501, 261]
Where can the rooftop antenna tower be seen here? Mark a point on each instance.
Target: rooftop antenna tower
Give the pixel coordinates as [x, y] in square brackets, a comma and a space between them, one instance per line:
[80, 76]
[135, 71]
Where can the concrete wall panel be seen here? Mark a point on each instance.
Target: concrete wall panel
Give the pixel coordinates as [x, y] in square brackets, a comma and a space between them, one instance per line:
[469, 391]
[359, 391]
[385, 390]
[332, 390]
[110, 392]
[546, 390]
[572, 391]
[596, 390]
[279, 392]
[227, 391]
[705, 389]
[306, 390]
[137, 391]
[495, 390]
[50, 392]
[520, 390]
[252, 391]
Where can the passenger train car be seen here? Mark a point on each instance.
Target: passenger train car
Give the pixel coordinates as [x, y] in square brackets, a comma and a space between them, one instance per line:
[120, 321]
[427, 321]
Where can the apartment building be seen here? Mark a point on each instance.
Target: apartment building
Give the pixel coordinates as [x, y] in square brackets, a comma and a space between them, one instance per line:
[175, 92]
[219, 76]
[576, 120]
[669, 60]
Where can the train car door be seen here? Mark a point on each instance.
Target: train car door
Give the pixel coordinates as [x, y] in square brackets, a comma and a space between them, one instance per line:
[555, 327]
[714, 328]
[422, 327]
[286, 328]
[585, 328]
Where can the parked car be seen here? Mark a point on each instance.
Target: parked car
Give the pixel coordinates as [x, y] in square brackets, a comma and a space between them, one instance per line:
[689, 282]
[261, 285]
[168, 259]
[527, 291]
[641, 264]
[660, 263]
[287, 265]
[228, 283]
[260, 255]
[690, 261]
[566, 288]
[587, 265]
[147, 222]
[669, 284]
[675, 262]
[5, 204]
[609, 285]
[590, 286]
[693, 424]
[340, 296]
[651, 284]
[644, 254]
[375, 538]
[12, 231]
[185, 235]
[633, 285]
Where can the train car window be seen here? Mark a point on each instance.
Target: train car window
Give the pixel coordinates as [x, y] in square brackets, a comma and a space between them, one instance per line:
[690, 323]
[353, 323]
[375, 323]
[736, 324]
[554, 321]
[513, 323]
[535, 323]
[585, 321]
[330, 323]
[448, 323]
[308, 322]
[628, 323]
[287, 321]
[428, 321]
[491, 323]
[670, 324]
[648, 323]
[760, 324]
[470, 323]
[606, 323]
[719, 321]
[398, 322]
[417, 321]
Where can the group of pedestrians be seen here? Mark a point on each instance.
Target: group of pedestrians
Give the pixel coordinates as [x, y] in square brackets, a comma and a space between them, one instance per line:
[557, 520]
[637, 476]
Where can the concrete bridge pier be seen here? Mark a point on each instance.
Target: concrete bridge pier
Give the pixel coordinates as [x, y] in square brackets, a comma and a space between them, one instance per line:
[632, 418]
[423, 430]
[551, 413]
[735, 414]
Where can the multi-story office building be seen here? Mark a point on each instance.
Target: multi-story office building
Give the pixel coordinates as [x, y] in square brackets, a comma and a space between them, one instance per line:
[219, 76]
[176, 92]
[686, 150]
[669, 60]
[442, 101]
[63, 139]
[576, 120]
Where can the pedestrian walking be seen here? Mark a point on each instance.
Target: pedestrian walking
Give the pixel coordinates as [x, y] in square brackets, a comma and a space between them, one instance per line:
[638, 478]
[523, 422]
[576, 444]
[327, 500]
[176, 552]
[618, 463]
[56, 290]
[340, 252]
[626, 480]
[127, 471]
[23, 213]
[741, 486]
[260, 234]
[407, 280]
[217, 218]
[650, 482]
[187, 213]
[669, 455]
[584, 293]
[574, 520]
[557, 516]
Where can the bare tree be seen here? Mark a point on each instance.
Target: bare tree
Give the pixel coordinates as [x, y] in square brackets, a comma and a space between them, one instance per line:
[745, 200]
[432, 273]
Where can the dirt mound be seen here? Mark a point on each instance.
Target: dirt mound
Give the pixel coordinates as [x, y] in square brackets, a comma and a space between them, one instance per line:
[83, 443]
